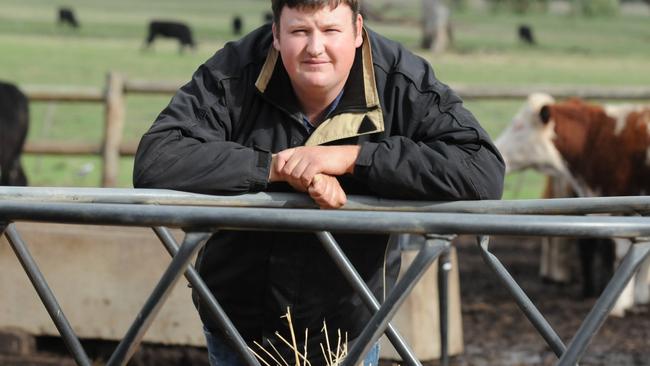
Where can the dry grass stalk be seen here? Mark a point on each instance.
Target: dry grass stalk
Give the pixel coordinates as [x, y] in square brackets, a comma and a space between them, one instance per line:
[332, 358]
[293, 338]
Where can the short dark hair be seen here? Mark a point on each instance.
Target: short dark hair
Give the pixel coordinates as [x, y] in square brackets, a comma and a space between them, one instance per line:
[278, 5]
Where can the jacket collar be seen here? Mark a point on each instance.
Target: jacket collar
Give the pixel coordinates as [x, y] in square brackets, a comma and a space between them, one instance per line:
[359, 111]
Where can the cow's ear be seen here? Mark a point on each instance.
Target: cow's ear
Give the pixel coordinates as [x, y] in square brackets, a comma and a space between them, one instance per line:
[545, 114]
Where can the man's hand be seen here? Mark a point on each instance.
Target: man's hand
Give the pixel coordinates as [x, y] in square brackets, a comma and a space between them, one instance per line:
[314, 169]
[305, 162]
[326, 191]
[276, 176]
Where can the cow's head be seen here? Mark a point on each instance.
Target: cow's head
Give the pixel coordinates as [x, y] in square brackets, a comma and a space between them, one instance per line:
[528, 141]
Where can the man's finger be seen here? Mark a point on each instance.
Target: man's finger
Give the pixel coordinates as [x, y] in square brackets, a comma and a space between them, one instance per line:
[327, 192]
[316, 181]
[290, 165]
[298, 171]
[309, 173]
[282, 158]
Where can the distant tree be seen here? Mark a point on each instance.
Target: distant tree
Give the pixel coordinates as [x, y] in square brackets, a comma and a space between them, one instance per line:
[436, 25]
[461, 4]
[519, 6]
[378, 10]
[370, 13]
[596, 7]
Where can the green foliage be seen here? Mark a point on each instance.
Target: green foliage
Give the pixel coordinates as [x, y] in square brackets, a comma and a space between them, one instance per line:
[519, 6]
[35, 51]
[597, 7]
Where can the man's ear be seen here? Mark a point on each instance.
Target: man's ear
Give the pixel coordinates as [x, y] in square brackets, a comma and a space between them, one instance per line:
[358, 40]
[276, 37]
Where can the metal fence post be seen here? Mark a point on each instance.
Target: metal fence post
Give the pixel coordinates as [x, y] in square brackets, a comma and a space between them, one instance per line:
[523, 301]
[357, 283]
[432, 249]
[598, 313]
[46, 295]
[219, 315]
[444, 267]
[192, 243]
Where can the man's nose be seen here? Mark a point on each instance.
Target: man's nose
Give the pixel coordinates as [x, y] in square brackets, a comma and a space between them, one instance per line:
[315, 46]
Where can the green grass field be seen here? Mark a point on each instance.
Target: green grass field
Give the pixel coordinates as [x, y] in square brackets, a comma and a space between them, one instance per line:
[35, 51]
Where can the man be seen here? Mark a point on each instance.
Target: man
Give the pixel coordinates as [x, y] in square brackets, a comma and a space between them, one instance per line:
[312, 103]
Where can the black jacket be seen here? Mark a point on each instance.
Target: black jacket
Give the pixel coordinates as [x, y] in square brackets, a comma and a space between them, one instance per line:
[417, 142]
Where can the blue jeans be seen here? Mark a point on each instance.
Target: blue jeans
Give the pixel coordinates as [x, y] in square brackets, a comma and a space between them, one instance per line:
[220, 353]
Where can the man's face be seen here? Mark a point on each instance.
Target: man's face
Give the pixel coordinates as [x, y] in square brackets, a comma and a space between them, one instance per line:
[317, 46]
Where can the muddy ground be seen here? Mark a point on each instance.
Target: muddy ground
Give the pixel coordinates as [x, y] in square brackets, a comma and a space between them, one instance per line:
[497, 333]
[495, 330]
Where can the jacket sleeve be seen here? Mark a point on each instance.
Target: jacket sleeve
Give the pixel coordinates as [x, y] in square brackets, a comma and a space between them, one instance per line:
[437, 151]
[188, 146]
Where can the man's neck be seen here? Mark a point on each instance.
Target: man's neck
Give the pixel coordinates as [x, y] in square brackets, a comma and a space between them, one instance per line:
[314, 104]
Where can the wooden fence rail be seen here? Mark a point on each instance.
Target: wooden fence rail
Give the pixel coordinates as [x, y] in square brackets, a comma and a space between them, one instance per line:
[74, 148]
[560, 92]
[112, 96]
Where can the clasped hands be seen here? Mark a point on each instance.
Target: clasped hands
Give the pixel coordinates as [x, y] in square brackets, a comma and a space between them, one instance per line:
[313, 170]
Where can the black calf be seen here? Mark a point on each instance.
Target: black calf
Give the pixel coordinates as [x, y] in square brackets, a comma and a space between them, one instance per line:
[169, 29]
[526, 34]
[267, 17]
[66, 16]
[14, 120]
[597, 264]
[237, 25]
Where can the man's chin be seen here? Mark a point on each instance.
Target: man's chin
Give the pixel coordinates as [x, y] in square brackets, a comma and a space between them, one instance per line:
[317, 84]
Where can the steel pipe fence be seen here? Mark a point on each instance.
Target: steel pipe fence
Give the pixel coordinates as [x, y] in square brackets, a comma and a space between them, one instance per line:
[355, 280]
[201, 215]
[46, 295]
[229, 330]
[553, 206]
[431, 250]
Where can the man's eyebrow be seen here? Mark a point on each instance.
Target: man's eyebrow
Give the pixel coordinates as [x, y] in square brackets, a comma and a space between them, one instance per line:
[296, 23]
[330, 24]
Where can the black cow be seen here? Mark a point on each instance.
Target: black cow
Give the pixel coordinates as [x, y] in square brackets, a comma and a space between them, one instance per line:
[66, 16]
[14, 120]
[237, 24]
[267, 17]
[525, 33]
[596, 256]
[597, 264]
[170, 29]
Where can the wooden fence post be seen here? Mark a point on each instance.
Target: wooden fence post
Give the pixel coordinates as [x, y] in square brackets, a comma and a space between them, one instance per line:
[436, 26]
[113, 126]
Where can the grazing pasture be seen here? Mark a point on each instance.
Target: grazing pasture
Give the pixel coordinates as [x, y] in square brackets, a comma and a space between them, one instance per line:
[570, 51]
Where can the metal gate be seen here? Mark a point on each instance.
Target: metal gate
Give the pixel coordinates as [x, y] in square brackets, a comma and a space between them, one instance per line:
[202, 215]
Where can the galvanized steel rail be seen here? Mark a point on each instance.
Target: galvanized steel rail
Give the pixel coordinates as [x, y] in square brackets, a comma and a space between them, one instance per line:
[201, 215]
[553, 206]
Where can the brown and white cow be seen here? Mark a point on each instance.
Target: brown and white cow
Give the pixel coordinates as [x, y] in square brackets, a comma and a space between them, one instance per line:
[599, 150]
